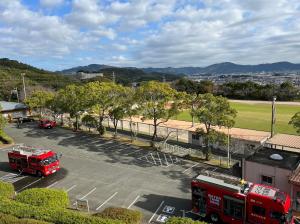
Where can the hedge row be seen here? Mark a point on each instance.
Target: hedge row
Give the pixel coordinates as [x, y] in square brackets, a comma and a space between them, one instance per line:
[54, 215]
[176, 220]
[126, 215]
[51, 198]
[4, 138]
[9, 219]
[6, 190]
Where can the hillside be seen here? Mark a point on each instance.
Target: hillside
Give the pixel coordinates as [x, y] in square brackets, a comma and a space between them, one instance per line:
[228, 68]
[125, 76]
[10, 78]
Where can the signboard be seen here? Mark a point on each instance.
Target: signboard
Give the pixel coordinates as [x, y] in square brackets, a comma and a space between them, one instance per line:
[162, 218]
[214, 200]
[82, 205]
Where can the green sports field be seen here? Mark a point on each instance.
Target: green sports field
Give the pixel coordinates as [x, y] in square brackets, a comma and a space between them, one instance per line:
[257, 116]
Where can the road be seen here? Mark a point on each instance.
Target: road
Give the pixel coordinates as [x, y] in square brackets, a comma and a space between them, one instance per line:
[107, 173]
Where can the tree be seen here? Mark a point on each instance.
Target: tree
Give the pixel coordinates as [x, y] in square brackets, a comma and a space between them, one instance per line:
[213, 111]
[295, 121]
[118, 108]
[72, 100]
[89, 121]
[101, 97]
[159, 102]
[2, 120]
[131, 109]
[40, 100]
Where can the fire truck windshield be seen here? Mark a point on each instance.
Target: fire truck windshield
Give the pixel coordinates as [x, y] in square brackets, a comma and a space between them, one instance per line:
[281, 196]
[49, 160]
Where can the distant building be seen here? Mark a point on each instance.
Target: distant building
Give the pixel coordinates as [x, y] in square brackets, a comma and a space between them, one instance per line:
[83, 75]
[13, 110]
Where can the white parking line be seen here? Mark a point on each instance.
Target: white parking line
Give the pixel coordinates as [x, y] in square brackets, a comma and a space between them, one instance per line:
[190, 167]
[52, 184]
[156, 211]
[29, 185]
[133, 202]
[135, 151]
[70, 188]
[12, 178]
[107, 200]
[91, 191]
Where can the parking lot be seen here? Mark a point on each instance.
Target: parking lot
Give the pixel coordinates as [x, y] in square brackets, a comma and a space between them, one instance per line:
[108, 173]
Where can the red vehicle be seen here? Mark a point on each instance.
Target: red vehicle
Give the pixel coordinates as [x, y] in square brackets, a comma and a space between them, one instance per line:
[45, 123]
[223, 198]
[34, 161]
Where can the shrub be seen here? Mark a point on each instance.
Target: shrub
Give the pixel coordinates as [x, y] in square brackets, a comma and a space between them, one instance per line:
[44, 197]
[4, 138]
[176, 220]
[54, 215]
[9, 219]
[6, 190]
[126, 215]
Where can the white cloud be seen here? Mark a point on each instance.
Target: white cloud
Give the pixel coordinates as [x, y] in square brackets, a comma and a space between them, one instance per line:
[154, 32]
[51, 3]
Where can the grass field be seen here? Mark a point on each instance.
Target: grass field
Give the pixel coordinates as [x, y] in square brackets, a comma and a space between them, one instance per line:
[258, 117]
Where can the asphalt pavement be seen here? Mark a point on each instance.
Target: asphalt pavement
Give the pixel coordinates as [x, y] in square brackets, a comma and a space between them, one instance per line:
[107, 173]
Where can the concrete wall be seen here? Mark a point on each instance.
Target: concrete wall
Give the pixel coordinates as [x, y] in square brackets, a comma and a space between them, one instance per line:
[253, 172]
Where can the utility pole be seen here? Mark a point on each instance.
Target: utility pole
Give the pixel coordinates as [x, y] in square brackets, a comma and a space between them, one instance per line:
[273, 117]
[228, 149]
[24, 88]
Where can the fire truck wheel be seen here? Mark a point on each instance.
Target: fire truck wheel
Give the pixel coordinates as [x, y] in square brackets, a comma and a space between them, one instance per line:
[214, 217]
[39, 173]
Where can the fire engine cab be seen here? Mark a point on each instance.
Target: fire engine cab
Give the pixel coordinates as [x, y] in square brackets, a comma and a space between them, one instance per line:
[223, 198]
[35, 161]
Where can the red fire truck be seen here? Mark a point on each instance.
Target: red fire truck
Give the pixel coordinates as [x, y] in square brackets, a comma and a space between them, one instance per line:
[223, 198]
[35, 161]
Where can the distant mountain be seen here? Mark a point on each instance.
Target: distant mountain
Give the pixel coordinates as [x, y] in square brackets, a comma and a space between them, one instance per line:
[89, 68]
[228, 68]
[125, 75]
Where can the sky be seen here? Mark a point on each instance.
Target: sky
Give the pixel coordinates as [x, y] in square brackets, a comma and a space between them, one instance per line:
[59, 34]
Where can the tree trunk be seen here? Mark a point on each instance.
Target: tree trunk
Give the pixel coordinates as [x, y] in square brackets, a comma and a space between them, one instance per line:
[62, 120]
[115, 126]
[101, 128]
[155, 130]
[77, 126]
[207, 147]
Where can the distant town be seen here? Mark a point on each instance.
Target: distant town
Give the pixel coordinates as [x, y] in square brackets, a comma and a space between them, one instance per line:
[261, 78]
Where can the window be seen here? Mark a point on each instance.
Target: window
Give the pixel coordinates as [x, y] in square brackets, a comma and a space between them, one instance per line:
[33, 160]
[11, 160]
[266, 180]
[258, 210]
[195, 137]
[233, 207]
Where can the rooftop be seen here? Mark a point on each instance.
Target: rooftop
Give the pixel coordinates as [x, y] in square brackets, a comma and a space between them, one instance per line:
[288, 142]
[295, 177]
[290, 160]
[10, 106]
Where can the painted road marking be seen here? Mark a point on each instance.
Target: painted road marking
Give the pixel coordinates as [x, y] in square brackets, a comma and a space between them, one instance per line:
[29, 185]
[161, 204]
[133, 202]
[190, 167]
[107, 200]
[12, 178]
[52, 184]
[134, 151]
[70, 188]
[91, 191]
